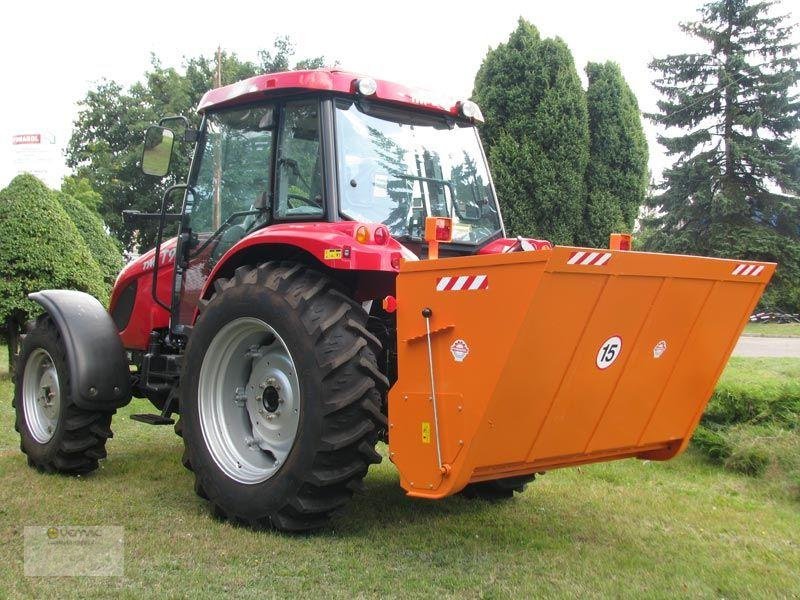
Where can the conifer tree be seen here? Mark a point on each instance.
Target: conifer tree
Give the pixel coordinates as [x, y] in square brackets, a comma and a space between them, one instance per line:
[733, 188]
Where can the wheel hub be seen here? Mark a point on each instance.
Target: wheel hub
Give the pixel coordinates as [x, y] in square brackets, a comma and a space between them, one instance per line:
[41, 395]
[249, 400]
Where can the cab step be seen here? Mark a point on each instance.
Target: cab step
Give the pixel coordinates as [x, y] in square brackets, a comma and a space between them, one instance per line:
[152, 419]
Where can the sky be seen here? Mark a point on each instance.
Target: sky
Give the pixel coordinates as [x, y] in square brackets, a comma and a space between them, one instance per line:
[53, 53]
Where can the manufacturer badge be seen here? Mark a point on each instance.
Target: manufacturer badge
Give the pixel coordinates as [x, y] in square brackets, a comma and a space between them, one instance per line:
[659, 349]
[460, 350]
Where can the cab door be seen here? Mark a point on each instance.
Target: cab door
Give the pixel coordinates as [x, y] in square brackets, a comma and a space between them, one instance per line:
[233, 184]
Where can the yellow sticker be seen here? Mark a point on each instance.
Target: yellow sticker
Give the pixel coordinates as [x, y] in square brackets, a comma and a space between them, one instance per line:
[426, 432]
[333, 253]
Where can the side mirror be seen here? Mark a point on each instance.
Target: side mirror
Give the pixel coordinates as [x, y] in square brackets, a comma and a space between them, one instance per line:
[157, 153]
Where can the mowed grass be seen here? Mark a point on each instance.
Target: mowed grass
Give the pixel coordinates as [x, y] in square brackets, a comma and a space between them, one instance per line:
[773, 329]
[622, 529]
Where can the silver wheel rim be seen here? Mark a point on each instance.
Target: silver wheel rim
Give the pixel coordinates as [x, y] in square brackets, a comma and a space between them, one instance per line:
[41, 395]
[248, 400]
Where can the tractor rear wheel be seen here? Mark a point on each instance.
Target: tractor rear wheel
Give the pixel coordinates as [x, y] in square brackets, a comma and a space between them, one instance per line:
[55, 434]
[498, 489]
[280, 398]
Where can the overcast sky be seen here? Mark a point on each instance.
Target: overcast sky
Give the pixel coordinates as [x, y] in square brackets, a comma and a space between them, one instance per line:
[53, 53]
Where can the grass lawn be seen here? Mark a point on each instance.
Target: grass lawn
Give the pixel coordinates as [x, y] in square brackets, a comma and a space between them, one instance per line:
[773, 329]
[628, 528]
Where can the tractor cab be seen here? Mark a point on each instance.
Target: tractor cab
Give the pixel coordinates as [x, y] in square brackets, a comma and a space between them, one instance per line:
[320, 151]
[318, 155]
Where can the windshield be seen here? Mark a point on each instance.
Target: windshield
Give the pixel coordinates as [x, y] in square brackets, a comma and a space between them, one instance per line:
[396, 168]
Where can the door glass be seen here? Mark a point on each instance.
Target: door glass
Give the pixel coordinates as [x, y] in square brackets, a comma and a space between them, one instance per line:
[233, 177]
[300, 163]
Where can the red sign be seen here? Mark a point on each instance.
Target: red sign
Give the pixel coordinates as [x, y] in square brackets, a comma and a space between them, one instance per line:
[30, 138]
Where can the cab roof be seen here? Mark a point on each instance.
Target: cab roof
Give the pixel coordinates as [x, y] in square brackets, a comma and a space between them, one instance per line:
[268, 85]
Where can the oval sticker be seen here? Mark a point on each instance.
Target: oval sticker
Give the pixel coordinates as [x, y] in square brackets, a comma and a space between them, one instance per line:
[609, 352]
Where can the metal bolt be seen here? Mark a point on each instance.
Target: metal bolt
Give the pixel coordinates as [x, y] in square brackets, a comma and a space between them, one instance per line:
[460, 408]
[93, 391]
[239, 396]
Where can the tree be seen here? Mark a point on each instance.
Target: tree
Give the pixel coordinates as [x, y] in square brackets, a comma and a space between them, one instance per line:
[40, 248]
[104, 249]
[536, 134]
[733, 188]
[81, 189]
[617, 176]
[106, 143]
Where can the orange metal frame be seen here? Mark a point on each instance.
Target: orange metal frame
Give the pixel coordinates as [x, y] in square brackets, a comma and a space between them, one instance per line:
[557, 357]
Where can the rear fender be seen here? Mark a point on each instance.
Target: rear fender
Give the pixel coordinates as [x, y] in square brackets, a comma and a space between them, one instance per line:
[330, 246]
[98, 367]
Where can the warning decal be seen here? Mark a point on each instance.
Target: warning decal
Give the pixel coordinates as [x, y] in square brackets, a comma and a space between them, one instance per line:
[462, 283]
[426, 432]
[595, 259]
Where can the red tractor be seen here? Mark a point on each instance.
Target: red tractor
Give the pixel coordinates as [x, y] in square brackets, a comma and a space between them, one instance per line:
[335, 228]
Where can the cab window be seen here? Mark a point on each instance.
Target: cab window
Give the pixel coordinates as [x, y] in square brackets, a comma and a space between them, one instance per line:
[234, 171]
[299, 164]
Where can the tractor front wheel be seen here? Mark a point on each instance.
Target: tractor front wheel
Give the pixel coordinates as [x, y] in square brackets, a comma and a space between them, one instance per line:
[55, 434]
[280, 398]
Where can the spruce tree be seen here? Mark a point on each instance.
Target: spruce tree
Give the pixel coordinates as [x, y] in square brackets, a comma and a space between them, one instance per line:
[617, 176]
[733, 189]
[536, 134]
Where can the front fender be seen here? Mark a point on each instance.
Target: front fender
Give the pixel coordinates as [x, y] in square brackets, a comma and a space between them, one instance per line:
[98, 367]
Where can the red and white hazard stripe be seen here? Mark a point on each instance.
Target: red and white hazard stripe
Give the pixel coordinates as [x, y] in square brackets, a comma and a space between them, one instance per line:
[595, 259]
[747, 270]
[462, 283]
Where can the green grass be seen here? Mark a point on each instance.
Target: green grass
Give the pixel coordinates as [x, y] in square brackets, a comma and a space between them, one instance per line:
[773, 329]
[627, 528]
[752, 424]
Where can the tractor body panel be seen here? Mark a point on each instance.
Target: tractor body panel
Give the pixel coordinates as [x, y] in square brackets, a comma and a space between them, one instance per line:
[135, 312]
[558, 357]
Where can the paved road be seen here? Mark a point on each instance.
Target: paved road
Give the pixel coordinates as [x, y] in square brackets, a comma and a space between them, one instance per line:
[767, 346]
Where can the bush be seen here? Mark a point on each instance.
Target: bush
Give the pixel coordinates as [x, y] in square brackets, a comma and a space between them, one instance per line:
[751, 423]
[105, 250]
[40, 248]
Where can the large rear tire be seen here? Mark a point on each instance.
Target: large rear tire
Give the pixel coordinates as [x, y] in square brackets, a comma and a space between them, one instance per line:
[55, 434]
[280, 398]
